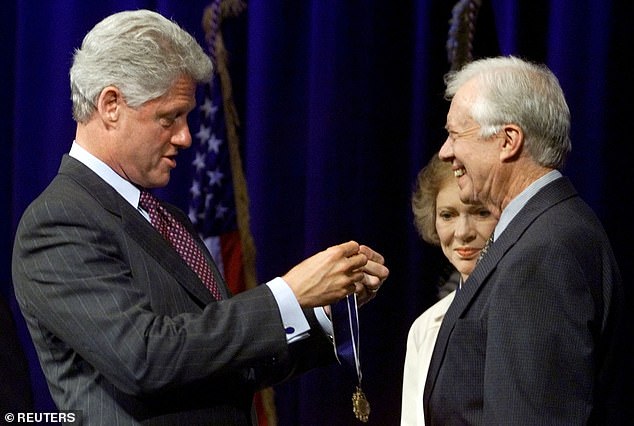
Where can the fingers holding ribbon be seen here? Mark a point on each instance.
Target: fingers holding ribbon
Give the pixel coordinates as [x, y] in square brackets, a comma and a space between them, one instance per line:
[368, 278]
[374, 272]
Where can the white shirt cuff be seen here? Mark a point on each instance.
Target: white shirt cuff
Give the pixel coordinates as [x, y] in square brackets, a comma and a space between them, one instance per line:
[295, 323]
[324, 321]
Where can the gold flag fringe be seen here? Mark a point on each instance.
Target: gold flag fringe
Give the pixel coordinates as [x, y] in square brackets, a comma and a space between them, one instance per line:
[215, 40]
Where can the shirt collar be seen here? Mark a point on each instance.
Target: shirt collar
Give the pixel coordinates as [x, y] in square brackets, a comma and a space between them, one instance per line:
[124, 187]
[520, 201]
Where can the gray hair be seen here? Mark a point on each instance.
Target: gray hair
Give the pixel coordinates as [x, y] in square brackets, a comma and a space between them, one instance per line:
[514, 91]
[140, 52]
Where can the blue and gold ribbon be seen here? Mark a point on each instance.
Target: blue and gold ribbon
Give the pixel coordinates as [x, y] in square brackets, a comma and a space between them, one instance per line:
[345, 321]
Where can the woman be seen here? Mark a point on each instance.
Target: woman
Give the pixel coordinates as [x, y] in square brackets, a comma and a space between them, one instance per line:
[461, 230]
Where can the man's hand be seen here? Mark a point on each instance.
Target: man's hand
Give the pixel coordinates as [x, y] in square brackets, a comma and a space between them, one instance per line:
[374, 273]
[336, 272]
[330, 275]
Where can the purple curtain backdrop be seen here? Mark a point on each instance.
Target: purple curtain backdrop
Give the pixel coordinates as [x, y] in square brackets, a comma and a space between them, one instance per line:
[341, 104]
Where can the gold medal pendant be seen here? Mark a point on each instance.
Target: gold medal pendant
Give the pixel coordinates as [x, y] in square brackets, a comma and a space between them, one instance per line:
[360, 405]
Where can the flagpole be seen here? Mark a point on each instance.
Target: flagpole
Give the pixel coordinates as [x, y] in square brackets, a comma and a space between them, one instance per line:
[240, 187]
[212, 18]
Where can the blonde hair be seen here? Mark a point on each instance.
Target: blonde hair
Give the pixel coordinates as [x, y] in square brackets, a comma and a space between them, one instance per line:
[428, 183]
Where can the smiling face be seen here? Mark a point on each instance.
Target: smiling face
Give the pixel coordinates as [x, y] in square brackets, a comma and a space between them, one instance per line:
[149, 137]
[463, 229]
[474, 159]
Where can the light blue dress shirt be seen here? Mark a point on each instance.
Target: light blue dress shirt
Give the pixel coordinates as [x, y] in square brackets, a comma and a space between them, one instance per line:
[520, 201]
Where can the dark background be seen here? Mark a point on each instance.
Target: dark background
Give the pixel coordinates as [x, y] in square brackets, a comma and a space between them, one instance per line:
[341, 104]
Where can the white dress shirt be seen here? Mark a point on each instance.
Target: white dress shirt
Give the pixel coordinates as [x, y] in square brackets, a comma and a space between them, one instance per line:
[295, 323]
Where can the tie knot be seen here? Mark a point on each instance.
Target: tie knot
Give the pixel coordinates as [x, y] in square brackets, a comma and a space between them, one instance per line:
[148, 201]
[486, 247]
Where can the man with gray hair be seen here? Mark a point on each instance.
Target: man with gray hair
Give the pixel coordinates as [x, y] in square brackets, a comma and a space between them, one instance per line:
[537, 333]
[131, 320]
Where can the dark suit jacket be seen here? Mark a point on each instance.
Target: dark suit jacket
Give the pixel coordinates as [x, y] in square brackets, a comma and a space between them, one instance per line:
[534, 335]
[125, 331]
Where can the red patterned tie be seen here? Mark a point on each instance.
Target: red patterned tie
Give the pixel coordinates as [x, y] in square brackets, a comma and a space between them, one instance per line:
[182, 241]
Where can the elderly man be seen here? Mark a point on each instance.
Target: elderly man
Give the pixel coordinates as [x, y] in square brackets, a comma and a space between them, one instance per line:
[535, 334]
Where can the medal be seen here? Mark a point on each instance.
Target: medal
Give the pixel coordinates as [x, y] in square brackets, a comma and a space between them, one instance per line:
[360, 405]
[346, 335]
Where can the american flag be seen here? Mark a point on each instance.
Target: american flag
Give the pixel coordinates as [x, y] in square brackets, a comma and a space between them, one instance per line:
[212, 207]
[219, 203]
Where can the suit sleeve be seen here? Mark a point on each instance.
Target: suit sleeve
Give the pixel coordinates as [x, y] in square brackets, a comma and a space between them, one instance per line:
[87, 290]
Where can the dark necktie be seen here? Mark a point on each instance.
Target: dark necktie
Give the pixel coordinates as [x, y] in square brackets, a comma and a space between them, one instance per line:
[182, 241]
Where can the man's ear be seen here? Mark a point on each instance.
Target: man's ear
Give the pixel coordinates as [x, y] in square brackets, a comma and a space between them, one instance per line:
[512, 142]
[110, 105]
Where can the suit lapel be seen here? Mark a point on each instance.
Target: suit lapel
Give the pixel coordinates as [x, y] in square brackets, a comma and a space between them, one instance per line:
[139, 229]
[548, 196]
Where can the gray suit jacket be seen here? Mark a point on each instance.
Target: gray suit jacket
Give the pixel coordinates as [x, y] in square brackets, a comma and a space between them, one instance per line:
[125, 332]
[534, 335]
